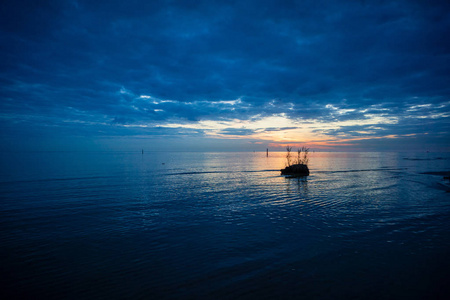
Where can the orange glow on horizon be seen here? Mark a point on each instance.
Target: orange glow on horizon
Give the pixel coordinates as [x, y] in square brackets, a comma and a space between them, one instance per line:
[279, 131]
[329, 144]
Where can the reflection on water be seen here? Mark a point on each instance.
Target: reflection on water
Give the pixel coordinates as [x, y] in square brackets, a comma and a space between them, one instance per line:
[298, 185]
[223, 225]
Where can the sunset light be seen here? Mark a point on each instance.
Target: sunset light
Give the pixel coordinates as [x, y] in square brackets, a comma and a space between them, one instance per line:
[219, 76]
[224, 149]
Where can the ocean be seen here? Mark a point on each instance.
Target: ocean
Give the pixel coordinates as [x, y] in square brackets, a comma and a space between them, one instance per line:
[189, 225]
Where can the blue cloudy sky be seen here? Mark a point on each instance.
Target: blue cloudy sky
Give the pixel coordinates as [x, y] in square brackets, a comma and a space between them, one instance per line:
[224, 75]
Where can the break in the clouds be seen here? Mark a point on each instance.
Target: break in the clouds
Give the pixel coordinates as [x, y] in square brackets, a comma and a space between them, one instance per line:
[354, 74]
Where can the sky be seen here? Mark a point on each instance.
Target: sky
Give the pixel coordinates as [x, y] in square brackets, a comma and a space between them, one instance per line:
[224, 75]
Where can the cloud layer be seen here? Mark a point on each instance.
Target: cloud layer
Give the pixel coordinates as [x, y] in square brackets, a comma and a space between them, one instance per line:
[289, 71]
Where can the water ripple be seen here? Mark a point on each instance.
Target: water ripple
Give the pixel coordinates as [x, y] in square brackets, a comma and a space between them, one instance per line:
[222, 229]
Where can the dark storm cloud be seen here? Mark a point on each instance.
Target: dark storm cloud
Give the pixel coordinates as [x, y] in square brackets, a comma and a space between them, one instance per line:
[116, 63]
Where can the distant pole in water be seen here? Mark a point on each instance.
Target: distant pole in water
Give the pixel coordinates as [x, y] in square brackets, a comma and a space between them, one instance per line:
[142, 151]
[267, 152]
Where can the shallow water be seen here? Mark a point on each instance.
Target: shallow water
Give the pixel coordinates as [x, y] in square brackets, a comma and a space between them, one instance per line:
[224, 226]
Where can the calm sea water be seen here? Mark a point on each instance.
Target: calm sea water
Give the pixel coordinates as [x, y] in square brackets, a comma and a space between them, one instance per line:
[223, 226]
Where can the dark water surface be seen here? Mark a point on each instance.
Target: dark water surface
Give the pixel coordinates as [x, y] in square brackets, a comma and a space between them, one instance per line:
[223, 226]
